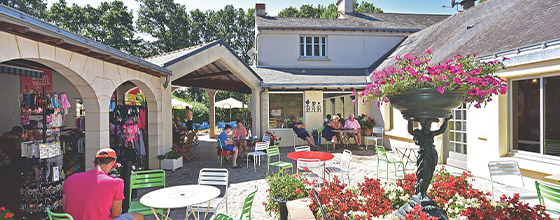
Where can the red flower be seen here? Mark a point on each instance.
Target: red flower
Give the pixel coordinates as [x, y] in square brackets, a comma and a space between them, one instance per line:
[298, 191]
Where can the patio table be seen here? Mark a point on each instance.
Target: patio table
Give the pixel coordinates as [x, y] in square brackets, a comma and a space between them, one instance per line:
[408, 152]
[345, 136]
[250, 142]
[322, 156]
[184, 196]
[553, 177]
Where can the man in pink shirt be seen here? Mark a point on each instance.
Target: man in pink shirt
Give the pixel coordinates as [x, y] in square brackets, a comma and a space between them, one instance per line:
[355, 125]
[94, 195]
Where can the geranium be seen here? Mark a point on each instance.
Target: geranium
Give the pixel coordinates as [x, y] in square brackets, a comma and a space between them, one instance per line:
[274, 140]
[175, 153]
[365, 121]
[467, 75]
[283, 187]
[6, 214]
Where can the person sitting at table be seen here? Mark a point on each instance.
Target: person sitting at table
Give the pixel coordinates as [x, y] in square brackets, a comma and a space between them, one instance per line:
[353, 124]
[94, 195]
[327, 121]
[328, 133]
[339, 135]
[301, 132]
[239, 135]
[227, 145]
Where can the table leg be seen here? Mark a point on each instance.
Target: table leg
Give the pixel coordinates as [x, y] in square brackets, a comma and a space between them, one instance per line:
[188, 214]
[155, 213]
[208, 209]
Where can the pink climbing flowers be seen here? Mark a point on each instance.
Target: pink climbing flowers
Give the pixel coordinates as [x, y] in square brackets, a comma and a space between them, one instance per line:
[466, 74]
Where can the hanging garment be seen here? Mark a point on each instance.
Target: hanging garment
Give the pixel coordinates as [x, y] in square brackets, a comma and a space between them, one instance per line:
[142, 118]
[112, 105]
[64, 101]
[141, 149]
[131, 131]
[82, 145]
[81, 124]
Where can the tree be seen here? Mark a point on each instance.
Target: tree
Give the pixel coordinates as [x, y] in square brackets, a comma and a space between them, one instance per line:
[36, 8]
[366, 7]
[331, 11]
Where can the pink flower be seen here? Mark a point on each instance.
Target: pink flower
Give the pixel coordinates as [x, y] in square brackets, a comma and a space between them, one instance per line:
[441, 90]
[474, 54]
[503, 90]
[477, 105]
[354, 101]
[354, 92]
[428, 51]
[473, 91]
[457, 81]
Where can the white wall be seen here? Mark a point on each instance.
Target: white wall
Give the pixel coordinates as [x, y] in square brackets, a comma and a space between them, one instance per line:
[344, 49]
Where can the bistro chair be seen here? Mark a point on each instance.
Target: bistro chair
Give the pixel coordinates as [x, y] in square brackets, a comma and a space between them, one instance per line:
[213, 177]
[260, 148]
[343, 168]
[382, 156]
[187, 142]
[302, 148]
[376, 131]
[309, 168]
[320, 135]
[245, 211]
[506, 176]
[272, 151]
[58, 216]
[222, 154]
[551, 194]
[142, 180]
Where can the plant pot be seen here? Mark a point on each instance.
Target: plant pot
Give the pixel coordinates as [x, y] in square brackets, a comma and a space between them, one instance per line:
[172, 164]
[426, 103]
[366, 131]
[282, 209]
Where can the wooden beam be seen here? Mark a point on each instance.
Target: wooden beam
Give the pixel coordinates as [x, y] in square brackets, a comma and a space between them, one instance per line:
[233, 86]
[12, 27]
[189, 76]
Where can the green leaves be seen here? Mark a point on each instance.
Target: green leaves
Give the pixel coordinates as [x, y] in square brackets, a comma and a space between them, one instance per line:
[330, 11]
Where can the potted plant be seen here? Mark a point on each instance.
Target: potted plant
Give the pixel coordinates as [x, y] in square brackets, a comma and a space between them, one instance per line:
[424, 93]
[366, 123]
[274, 140]
[6, 214]
[283, 188]
[173, 159]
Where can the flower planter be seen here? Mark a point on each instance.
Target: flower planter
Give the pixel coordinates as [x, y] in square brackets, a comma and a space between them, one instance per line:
[172, 164]
[426, 103]
[283, 209]
[366, 131]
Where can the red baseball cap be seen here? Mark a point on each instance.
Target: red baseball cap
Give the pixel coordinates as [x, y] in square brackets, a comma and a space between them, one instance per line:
[106, 153]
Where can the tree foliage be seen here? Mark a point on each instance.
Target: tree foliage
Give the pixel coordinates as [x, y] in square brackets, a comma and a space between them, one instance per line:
[321, 11]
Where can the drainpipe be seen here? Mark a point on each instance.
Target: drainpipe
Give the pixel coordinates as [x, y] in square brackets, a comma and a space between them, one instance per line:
[261, 107]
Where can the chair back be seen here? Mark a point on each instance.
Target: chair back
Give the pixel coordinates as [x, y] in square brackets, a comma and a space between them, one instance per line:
[247, 205]
[381, 153]
[551, 194]
[218, 177]
[273, 151]
[302, 148]
[266, 138]
[308, 164]
[377, 130]
[261, 146]
[505, 172]
[147, 179]
[189, 138]
[220, 146]
[316, 195]
[58, 216]
[345, 160]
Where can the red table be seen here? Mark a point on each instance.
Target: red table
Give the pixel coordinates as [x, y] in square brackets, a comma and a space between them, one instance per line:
[322, 156]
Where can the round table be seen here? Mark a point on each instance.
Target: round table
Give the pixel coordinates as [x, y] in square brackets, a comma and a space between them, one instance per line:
[322, 156]
[179, 197]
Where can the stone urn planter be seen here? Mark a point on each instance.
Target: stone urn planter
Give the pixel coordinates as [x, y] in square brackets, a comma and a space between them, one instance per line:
[172, 164]
[282, 208]
[426, 103]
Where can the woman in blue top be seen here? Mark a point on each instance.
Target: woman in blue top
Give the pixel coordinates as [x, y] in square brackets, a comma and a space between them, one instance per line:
[227, 145]
[328, 133]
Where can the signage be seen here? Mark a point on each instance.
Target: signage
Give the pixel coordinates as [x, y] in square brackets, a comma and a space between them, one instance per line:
[37, 84]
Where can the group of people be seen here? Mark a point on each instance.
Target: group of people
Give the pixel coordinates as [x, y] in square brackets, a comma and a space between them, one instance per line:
[179, 130]
[236, 143]
[334, 123]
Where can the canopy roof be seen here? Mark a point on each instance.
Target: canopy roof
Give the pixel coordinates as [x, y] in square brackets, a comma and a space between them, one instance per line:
[229, 103]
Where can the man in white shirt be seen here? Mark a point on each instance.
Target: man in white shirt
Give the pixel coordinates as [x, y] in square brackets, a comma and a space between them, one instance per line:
[355, 125]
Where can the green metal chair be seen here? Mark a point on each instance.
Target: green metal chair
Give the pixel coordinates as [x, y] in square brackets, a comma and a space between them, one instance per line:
[382, 156]
[221, 155]
[320, 135]
[58, 216]
[272, 151]
[142, 180]
[551, 193]
[245, 212]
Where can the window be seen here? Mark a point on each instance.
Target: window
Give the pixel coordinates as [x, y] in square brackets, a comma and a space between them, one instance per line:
[313, 46]
[458, 130]
[283, 107]
[535, 103]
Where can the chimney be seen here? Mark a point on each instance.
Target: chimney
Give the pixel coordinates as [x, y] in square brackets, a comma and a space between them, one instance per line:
[466, 4]
[260, 9]
[345, 6]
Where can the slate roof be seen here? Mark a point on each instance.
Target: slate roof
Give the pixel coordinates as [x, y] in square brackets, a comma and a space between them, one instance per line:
[164, 59]
[355, 21]
[486, 29]
[319, 78]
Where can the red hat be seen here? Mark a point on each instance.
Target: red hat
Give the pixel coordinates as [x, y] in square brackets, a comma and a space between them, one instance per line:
[106, 153]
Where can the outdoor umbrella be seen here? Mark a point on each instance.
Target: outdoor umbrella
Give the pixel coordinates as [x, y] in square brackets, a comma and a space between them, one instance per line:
[229, 103]
[178, 104]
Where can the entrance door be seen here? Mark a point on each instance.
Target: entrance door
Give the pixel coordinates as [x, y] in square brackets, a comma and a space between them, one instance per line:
[458, 138]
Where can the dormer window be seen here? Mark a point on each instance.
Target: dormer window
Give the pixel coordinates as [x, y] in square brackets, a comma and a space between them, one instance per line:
[312, 46]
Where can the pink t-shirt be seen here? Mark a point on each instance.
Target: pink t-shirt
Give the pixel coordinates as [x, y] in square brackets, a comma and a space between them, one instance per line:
[352, 124]
[90, 195]
[239, 132]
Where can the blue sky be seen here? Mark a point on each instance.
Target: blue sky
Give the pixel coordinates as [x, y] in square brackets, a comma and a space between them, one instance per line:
[273, 6]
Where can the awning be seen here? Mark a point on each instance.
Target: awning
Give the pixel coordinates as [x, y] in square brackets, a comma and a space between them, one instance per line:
[20, 71]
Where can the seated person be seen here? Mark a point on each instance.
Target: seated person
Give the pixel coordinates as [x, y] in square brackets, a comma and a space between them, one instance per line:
[353, 124]
[327, 121]
[328, 133]
[11, 142]
[299, 129]
[227, 145]
[339, 135]
[239, 133]
[33, 131]
[94, 195]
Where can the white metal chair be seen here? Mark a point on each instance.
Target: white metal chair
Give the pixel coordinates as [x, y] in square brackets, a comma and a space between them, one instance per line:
[260, 150]
[374, 138]
[302, 148]
[507, 174]
[218, 177]
[311, 169]
[266, 138]
[343, 168]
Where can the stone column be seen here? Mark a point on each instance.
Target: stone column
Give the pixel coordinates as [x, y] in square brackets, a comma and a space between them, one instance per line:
[212, 111]
[256, 112]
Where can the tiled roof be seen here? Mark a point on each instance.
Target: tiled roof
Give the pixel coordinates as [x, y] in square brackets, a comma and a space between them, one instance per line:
[312, 77]
[355, 21]
[488, 28]
[163, 59]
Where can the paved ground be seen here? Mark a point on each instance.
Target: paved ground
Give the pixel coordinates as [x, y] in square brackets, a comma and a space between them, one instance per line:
[243, 180]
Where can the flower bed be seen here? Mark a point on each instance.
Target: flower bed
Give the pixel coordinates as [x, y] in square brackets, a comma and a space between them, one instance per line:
[454, 194]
